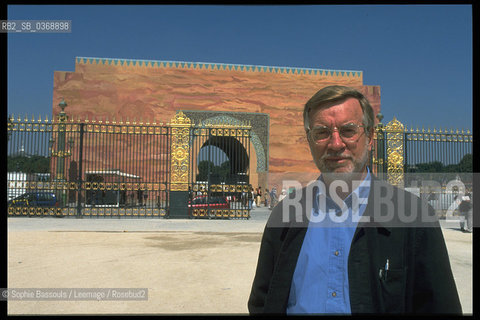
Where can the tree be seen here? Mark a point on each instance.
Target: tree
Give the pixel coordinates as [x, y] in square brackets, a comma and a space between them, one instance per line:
[223, 170]
[217, 172]
[466, 164]
[28, 164]
[435, 166]
[436, 170]
[203, 170]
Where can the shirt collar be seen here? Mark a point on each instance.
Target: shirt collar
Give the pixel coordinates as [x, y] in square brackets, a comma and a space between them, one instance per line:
[361, 191]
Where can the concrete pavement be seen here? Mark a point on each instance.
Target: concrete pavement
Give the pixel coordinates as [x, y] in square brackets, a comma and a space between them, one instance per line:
[213, 260]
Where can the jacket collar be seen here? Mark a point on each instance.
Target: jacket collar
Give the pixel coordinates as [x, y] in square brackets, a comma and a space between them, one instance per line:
[369, 210]
[367, 220]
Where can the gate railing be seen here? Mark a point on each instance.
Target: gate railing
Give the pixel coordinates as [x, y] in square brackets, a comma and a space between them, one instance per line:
[221, 171]
[67, 167]
[406, 155]
[100, 168]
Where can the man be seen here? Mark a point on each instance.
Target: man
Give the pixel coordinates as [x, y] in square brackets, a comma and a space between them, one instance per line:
[351, 244]
[251, 197]
[273, 197]
[466, 212]
[267, 198]
[259, 196]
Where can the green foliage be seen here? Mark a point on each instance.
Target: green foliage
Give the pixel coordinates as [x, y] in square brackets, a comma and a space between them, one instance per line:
[465, 165]
[441, 173]
[32, 164]
[219, 171]
[203, 168]
[435, 166]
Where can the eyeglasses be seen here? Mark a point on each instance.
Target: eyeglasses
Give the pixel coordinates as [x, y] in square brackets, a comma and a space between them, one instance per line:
[349, 133]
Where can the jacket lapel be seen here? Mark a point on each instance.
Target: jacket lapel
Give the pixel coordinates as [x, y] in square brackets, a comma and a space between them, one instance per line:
[364, 287]
[279, 291]
[277, 297]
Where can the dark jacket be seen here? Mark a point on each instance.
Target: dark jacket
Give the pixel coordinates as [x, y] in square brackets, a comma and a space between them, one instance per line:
[465, 206]
[419, 280]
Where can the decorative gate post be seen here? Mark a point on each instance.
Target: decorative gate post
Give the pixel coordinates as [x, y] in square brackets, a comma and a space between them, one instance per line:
[394, 131]
[180, 164]
[378, 151]
[61, 154]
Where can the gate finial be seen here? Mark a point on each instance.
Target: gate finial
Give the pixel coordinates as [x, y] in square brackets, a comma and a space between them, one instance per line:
[181, 118]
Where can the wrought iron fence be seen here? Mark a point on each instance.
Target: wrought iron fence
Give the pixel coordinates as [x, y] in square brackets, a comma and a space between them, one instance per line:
[67, 167]
[90, 168]
[100, 168]
[405, 156]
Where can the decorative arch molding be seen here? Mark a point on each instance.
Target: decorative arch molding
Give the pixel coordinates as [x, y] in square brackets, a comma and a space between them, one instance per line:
[260, 123]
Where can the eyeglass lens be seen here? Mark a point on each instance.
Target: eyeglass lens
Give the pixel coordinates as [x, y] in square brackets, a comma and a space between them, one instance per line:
[348, 131]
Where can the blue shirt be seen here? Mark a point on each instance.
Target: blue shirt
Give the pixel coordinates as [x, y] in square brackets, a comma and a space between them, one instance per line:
[320, 279]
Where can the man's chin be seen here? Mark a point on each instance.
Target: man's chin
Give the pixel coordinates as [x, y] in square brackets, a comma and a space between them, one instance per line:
[342, 173]
[338, 174]
[340, 169]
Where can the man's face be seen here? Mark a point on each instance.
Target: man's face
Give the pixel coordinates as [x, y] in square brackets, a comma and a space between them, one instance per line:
[335, 155]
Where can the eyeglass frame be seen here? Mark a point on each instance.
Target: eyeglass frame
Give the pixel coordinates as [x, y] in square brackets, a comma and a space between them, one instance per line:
[337, 129]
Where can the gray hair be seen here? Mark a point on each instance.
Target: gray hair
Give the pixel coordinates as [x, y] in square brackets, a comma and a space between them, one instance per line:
[338, 94]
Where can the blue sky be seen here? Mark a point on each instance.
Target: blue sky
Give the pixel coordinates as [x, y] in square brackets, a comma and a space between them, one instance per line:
[420, 55]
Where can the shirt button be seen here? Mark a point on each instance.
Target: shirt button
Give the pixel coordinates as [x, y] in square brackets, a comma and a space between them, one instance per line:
[334, 294]
[337, 253]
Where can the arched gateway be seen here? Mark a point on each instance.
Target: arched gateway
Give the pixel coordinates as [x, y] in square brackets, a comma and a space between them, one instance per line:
[217, 183]
[257, 146]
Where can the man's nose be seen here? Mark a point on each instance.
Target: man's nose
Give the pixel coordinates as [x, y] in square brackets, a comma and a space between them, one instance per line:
[336, 142]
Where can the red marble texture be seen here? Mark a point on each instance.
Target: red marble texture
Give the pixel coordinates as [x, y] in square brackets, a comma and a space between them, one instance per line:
[97, 90]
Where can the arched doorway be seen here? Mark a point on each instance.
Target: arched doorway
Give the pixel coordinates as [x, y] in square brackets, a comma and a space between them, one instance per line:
[223, 160]
[210, 166]
[258, 141]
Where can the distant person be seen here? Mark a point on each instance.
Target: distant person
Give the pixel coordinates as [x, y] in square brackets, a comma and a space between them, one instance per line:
[123, 197]
[259, 197]
[140, 196]
[145, 197]
[273, 197]
[267, 198]
[251, 198]
[466, 212]
[282, 195]
[132, 198]
[94, 198]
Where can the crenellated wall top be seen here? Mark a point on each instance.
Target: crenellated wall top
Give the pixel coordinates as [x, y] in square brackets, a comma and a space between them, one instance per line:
[131, 63]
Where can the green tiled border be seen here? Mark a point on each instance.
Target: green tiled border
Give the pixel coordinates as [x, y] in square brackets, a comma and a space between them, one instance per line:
[260, 123]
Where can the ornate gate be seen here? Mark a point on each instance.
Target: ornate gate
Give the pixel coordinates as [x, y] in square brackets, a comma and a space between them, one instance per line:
[210, 169]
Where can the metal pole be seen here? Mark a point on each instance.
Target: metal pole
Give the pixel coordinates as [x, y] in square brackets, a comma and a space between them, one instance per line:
[80, 168]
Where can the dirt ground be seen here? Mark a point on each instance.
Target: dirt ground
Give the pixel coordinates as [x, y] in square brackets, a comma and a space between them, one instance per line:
[184, 271]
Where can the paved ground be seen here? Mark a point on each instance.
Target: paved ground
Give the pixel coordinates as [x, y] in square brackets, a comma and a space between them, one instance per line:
[188, 266]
